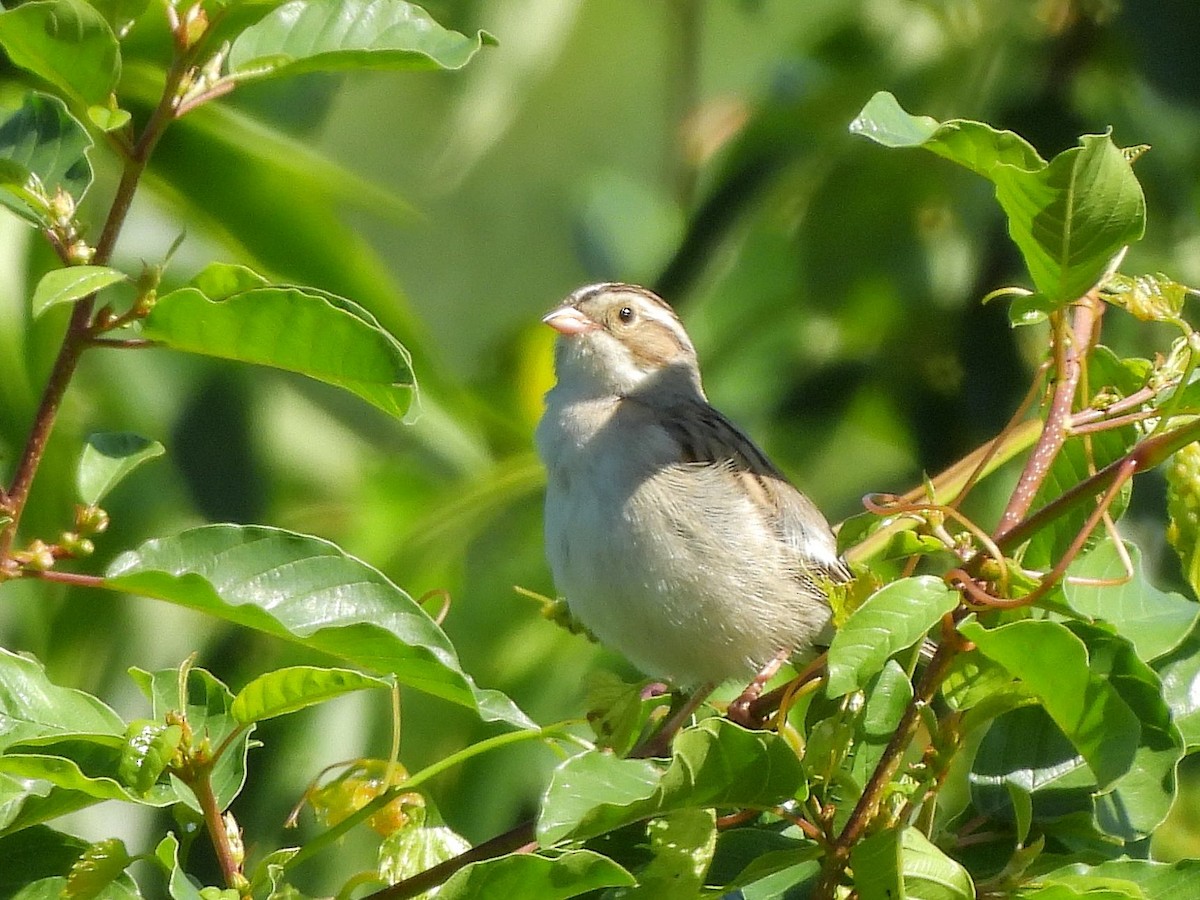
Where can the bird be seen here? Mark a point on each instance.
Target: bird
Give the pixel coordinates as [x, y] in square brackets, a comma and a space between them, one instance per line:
[673, 537]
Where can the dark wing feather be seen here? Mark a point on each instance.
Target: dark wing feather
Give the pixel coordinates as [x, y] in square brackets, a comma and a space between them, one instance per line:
[707, 437]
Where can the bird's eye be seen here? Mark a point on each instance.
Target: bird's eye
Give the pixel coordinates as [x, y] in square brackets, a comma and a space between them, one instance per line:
[625, 314]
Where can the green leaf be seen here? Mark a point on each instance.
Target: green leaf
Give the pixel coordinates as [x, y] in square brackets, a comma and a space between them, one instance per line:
[1053, 664]
[1155, 621]
[231, 313]
[149, 748]
[42, 149]
[107, 458]
[66, 43]
[892, 619]
[334, 35]
[96, 869]
[715, 763]
[179, 886]
[71, 284]
[1157, 880]
[1180, 674]
[876, 864]
[536, 877]
[1078, 459]
[31, 706]
[36, 853]
[929, 873]
[887, 696]
[83, 765]
[682, 844]
[1069, 217]
[119, 14]
[308, 591]
[1141, 798]
[207, 706]
[287, 690]
[413, 848]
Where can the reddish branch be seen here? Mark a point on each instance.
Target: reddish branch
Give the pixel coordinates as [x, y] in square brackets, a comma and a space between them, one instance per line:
[1071, 344]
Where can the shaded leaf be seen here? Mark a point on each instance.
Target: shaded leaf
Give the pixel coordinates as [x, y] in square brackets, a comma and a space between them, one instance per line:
[72, 283]
[892, 619]
[536, 877]
[42, 149]
[35, 853]
[308, 591]
[283, 691]
[66, 43]
[231, 313]
[107, 458]
[715, 763]
[333, 35]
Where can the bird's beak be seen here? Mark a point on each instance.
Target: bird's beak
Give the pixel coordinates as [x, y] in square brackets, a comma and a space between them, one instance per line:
[568, 320]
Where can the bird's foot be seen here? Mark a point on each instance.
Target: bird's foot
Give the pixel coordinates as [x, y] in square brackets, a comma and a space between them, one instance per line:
[741, 710]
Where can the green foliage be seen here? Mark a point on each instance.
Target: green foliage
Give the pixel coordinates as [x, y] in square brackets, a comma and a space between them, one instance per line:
[1010, 693]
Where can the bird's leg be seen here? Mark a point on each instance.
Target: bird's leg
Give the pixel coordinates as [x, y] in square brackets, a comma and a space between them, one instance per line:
[658, 744]
[740, 709]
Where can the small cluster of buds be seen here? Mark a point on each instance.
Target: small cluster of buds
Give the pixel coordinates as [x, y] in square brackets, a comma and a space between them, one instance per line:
[65, 230]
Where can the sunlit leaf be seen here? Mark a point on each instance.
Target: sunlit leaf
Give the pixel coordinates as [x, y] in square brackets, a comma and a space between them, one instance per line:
[892, 619]
[283, 691]
[72, 283]
[1070, 217]
[682, 845]
[876, 864]
[96, 869]
[1157, 880]
[229, 312]
[928, 872]
[1183, 510]
[32, 706]
[1139, 800]
[1053, 664]
[66, 43]
[1077, 459]
[308, 591]
[107, 459]
[715, 763]
[528, 875]
[331, 35]
[42, 149]
[207, 708]
[1155, 621]
[1180, 674]
[149, 748]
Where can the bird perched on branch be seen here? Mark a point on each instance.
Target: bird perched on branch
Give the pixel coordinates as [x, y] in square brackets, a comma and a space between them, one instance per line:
[674, 538]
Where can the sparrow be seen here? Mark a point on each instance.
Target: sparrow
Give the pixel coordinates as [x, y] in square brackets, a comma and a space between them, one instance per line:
[674, 539]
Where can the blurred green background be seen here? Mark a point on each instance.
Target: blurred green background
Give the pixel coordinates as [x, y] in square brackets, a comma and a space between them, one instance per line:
[698, 146]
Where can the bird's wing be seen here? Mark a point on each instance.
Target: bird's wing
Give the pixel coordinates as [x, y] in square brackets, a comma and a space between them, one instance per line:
[706, 437]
